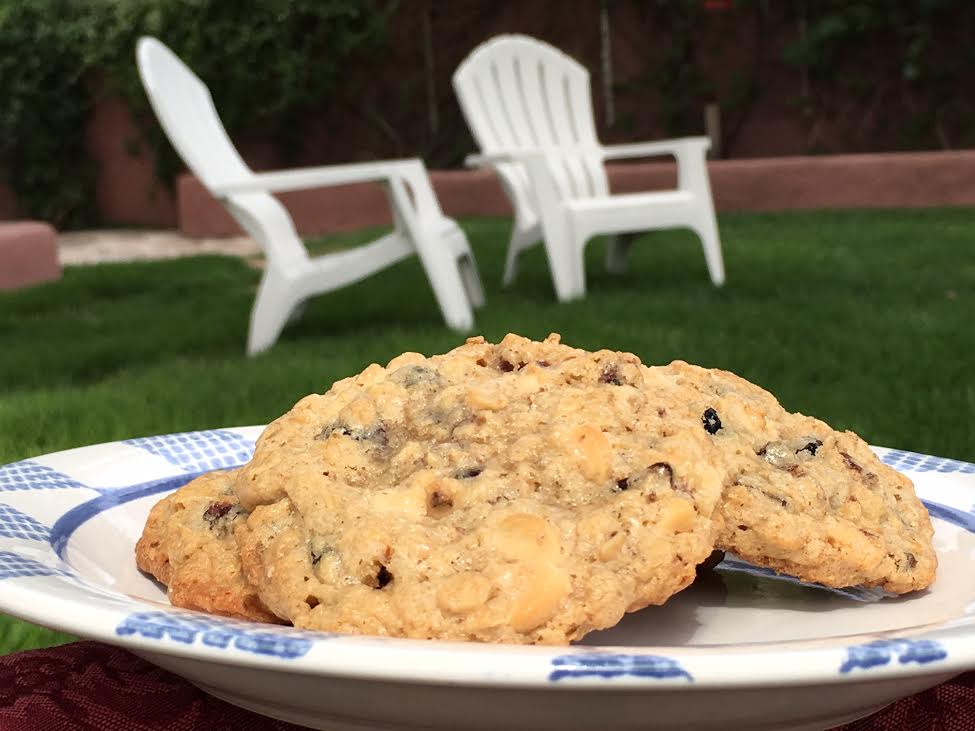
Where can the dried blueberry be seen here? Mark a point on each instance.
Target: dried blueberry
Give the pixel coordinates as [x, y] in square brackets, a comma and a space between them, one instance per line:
[622, 484]
[505, 365]
[711, 421]
[383, 577]
[810, 447]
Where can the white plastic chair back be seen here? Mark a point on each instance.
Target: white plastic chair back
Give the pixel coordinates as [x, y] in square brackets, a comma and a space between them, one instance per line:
[184, 107]
[518, 93]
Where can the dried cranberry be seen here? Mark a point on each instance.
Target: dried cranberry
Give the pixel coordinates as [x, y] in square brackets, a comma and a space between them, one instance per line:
[848, 460]
[611, 375]
[217, 511]
[440, 500]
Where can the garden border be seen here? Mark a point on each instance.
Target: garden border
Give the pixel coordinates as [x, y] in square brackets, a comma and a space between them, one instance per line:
[885, 180]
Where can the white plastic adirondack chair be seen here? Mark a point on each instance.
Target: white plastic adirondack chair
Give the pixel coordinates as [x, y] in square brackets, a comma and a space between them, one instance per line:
[529, 108]
[186, 112]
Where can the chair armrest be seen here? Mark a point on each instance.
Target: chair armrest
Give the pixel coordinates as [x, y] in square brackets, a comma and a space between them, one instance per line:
[660, 147]
[501, 157]
[280, 181]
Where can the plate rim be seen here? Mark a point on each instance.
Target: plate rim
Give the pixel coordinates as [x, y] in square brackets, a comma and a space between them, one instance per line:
[773, 664]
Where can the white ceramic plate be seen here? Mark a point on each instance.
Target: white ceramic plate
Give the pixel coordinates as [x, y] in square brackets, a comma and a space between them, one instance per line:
[741, 650]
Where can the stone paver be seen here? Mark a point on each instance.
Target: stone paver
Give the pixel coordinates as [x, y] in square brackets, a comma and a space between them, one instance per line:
[78, 248]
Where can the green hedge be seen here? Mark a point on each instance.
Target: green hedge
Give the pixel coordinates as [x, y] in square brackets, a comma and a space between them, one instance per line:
[268, 62]
[887, 74]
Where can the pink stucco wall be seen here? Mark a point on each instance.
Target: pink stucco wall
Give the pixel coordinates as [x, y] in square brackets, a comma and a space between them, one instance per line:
[892, 180]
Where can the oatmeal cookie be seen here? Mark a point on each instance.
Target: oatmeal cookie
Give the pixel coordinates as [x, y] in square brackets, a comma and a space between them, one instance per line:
[804, 499]
[522, 492]
[188, 544]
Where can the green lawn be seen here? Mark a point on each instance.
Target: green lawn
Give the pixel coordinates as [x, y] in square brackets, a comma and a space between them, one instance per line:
[860, 318]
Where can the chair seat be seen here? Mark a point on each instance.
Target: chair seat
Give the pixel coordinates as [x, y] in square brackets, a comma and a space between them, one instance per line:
[630, 211]
[529, 107]
[186, 111]
[630, 201]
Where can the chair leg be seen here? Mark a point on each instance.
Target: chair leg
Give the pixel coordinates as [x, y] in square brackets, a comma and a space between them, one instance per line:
[618, 252]
[446, 280]
[297, 312]
[566, 260]
[521, 239]
[471, 279]
[707, 230]
[578, 251]
[273, 306]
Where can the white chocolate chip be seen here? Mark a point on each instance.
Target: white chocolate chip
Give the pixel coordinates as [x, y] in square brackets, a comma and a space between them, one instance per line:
[526, 537]
[591, 451]
[463, 593]
[545, 588]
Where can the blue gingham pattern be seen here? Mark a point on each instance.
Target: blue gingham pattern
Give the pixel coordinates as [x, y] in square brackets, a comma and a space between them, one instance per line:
[15, 524]
[216, 632]
[608, 665]
[883, 652]
[905, 461]
[199, 451]
[28, 475]
[26, 551]
[14, 565]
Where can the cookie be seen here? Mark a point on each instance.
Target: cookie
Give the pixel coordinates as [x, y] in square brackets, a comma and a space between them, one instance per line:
[188, 544]
[804, 499]
[523, 492]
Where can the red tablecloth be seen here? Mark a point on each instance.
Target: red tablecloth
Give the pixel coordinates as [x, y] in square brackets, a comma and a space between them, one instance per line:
[87, 685]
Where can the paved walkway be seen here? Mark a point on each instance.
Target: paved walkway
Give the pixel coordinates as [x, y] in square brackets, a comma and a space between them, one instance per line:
[93, 247]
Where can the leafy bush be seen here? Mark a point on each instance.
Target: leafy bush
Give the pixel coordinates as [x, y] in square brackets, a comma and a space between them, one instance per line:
[44, 105]
[266, 61]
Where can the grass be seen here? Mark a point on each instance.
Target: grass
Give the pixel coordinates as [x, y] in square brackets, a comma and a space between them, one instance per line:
[860, 318]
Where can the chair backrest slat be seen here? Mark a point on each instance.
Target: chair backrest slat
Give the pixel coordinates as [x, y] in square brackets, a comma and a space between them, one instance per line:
[185, 109]
[519, 93]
